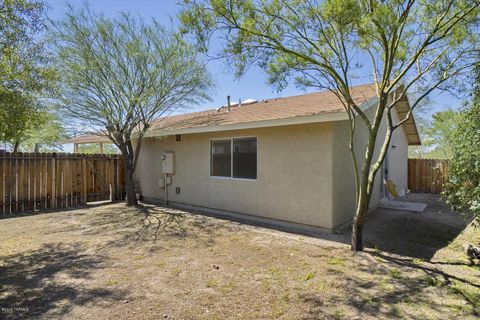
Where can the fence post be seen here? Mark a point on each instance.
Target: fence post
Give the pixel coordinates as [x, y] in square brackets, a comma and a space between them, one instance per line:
[54, 182]
[2, 187]
[84, 181]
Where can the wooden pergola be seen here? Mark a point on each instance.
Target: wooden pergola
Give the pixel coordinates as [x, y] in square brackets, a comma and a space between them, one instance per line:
[87, 139]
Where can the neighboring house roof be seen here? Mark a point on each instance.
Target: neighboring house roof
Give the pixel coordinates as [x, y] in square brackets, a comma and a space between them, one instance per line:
[307, 108]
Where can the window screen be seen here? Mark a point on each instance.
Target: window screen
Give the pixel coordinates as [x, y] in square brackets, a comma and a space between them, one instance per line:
[245, 158]
[221, 158]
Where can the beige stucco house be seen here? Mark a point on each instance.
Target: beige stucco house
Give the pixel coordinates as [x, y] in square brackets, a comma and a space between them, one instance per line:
[281, 160]
[284, 159]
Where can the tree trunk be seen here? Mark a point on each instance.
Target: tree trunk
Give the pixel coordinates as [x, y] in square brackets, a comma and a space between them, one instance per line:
[15, 146]
[124, 143]
[357, 236]
[131, 197]
[358, 221]
[37, 148]
[366, 188]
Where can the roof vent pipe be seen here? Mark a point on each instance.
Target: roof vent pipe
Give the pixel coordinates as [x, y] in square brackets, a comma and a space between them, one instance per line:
[239, 102]
[228, 103]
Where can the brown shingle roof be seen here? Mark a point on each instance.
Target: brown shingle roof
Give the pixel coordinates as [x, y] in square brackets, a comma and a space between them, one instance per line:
[310, 104]
[278, 110]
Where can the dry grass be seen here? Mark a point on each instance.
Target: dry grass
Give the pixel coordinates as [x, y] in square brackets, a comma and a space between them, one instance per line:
[113, 262]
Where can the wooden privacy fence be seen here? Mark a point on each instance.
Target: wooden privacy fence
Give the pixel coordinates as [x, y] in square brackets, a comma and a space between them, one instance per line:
[427, 175]
[34, 181]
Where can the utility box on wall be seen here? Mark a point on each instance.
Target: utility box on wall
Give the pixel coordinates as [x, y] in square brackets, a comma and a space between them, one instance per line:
[167, 163]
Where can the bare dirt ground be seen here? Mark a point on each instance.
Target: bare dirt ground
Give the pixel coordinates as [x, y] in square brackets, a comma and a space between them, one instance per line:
[113, 262]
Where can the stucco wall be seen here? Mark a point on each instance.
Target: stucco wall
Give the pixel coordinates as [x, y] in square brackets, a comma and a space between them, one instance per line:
[344, 182]
[397, 159]
[294, 173]
[343, 200]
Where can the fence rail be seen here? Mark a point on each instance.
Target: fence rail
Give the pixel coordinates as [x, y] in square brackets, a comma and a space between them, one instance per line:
[34, 181]
[427, 175]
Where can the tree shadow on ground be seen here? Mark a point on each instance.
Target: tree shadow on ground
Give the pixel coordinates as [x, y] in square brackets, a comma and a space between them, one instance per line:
[49, 282]
[382, 290]
[417, 235]
[429, 268]
[152, 225]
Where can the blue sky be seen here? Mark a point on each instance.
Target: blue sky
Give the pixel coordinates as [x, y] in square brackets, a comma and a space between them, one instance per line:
[253, 85]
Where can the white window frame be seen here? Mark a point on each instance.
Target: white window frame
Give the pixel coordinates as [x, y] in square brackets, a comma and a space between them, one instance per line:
[231, 158]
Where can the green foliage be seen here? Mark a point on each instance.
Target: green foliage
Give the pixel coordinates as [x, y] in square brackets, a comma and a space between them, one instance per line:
[437, 136]
[440, 132]
[317, 42]
[422, 152]
[27, 125]
[395, 274]
[16, 116]
[462, 190]
[309, 276]
[336, 261]
[94, 148]
[25, 74]
[45, 135]
[23, 57]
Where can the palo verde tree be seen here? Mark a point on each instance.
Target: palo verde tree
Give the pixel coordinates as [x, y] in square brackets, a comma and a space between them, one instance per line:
[400, 45]
[118, 75]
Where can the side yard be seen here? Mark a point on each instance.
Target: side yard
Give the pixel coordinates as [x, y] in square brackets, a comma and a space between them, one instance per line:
[113, 262]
